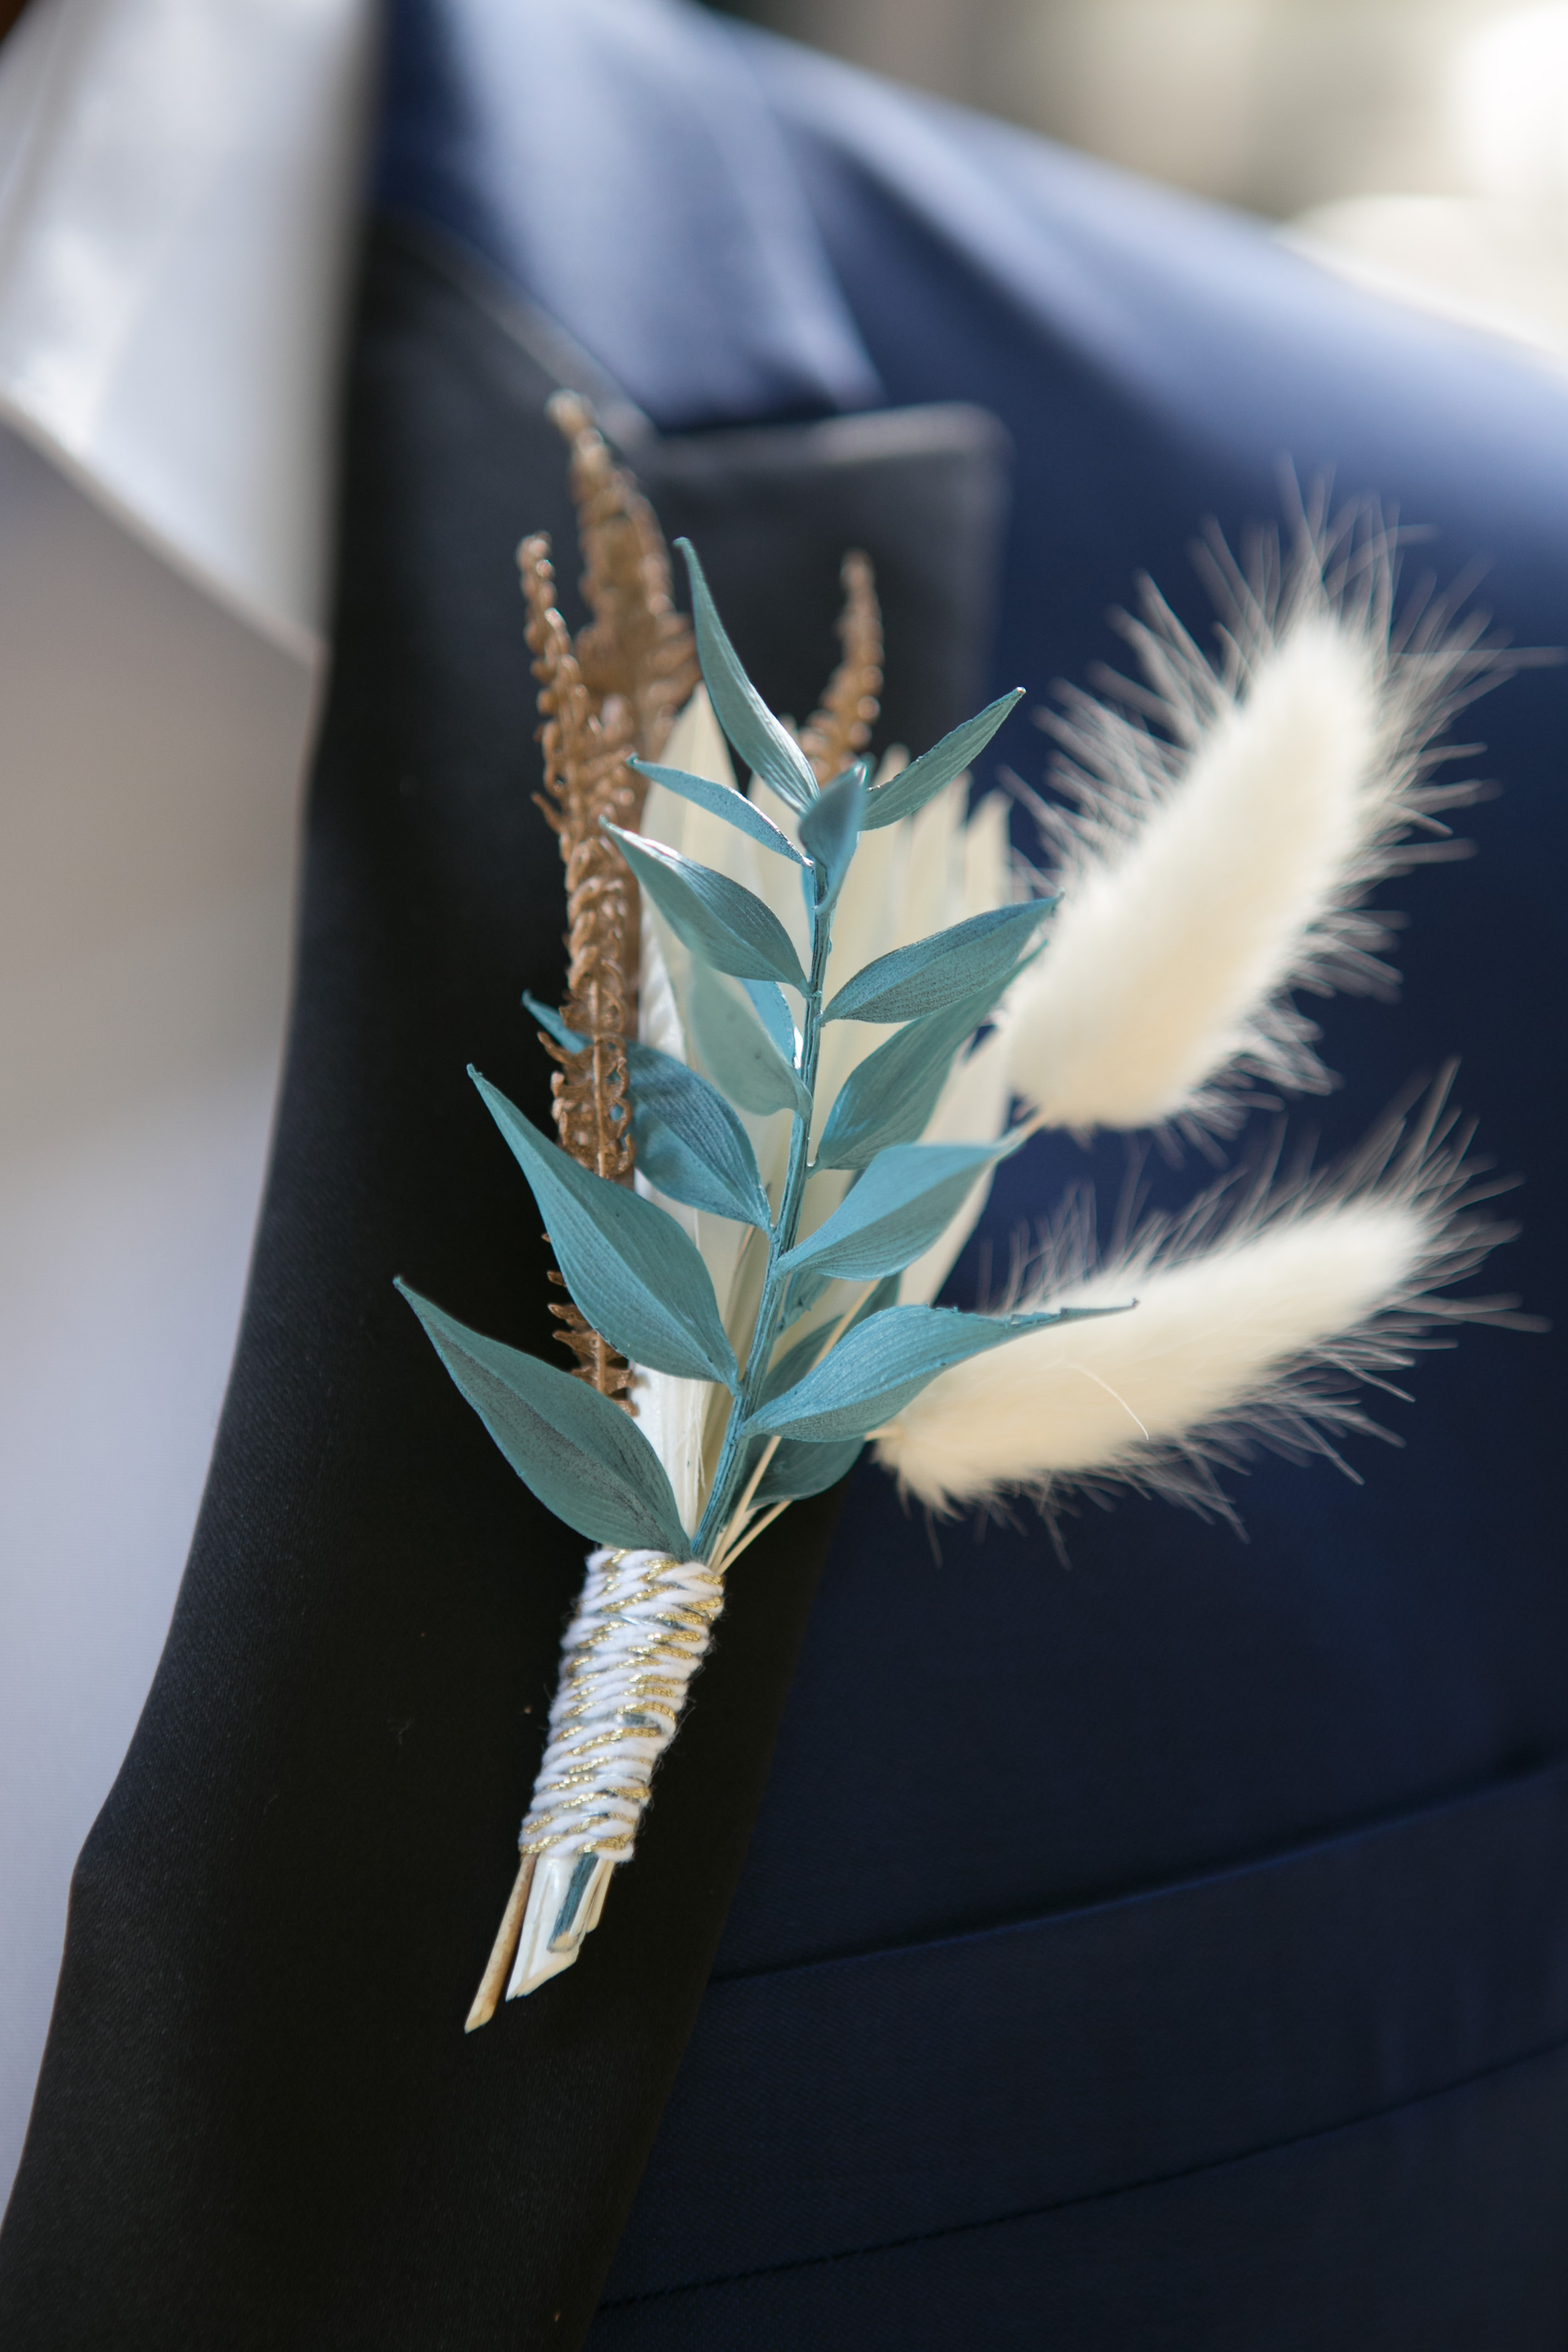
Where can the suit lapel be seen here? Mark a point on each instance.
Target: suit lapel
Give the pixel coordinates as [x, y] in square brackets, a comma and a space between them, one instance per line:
[282, 1911]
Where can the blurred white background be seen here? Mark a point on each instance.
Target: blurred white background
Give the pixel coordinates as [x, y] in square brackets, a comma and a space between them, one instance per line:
[1273, 104]
[1424, 141]
[159, 661]
[177, 199]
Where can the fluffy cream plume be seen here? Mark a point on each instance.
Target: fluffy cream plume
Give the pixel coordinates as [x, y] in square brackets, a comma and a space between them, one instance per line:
[1226, 820]
[1251, 1314]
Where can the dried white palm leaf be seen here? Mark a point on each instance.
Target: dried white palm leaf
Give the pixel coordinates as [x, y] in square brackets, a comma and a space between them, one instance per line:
[907, 881]
[972, 1106]
[1225, 823]
[1253, 1315]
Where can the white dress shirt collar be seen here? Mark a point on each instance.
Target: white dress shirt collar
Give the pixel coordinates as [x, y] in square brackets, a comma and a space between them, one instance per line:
[179, 191]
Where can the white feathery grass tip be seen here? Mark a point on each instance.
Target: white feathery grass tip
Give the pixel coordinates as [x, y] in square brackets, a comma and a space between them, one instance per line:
[1254, 1316]
[1224, 825]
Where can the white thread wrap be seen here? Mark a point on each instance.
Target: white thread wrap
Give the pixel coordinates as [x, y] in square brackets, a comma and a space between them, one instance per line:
[641, 1629]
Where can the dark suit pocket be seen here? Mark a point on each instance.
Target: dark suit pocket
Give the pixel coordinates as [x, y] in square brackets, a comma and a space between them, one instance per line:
[867, 2102]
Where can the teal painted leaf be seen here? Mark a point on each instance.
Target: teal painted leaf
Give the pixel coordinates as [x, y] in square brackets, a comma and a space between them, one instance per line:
[889, 1096]
[934, 972]
[935, 769]
[719, 920]
[799, 1470]
[877, 1370]
[585, 1459]
[768, 749]
[767, 1001]
[723, 800]
[794, 1364]
[797, 1361]
[896, 1211]
[806, 1287]
[832, 826]
[742, 1057]
[689, 1141]
[572, 1041]
[634, 1272]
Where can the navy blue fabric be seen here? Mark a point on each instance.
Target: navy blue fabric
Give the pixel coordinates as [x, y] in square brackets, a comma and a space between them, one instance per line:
[614, 162]
[981, 1734]
[1021, 2068]
[1438, 2228]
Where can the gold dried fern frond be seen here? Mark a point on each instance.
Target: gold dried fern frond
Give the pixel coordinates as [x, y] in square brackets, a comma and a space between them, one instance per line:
[636, 646]
[587, 778]
[841, 728]
[613, 693]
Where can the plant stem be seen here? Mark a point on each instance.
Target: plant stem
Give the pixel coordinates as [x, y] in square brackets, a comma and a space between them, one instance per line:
[743, 1509]
[759, 1527]
[730, 1475]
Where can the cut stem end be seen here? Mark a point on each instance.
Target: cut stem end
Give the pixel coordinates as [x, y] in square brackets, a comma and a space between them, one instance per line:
[503, 1951]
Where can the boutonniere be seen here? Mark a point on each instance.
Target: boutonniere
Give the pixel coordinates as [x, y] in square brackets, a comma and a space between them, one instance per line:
[808, 1016]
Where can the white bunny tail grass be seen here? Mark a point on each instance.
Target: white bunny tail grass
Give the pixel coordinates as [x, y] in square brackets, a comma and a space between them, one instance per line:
[1256, 1310]
[1225, 822]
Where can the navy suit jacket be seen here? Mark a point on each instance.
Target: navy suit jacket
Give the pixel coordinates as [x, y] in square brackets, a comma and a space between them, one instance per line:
[1166, 1949]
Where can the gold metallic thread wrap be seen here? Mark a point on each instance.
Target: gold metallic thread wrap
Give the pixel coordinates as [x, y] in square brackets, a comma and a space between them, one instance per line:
[641, 1629]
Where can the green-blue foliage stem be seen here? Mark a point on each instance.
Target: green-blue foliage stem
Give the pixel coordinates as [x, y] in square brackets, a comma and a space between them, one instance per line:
[729, 1477]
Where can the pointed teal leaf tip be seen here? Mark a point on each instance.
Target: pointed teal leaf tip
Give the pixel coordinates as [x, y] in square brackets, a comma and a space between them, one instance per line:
[767, 1003]
[690, 1144]
[722, 923]
[768, 749]
[883, 1365]
[734, 1040]
[723, 800]
[889, 1096]
[788, 1369]
[585, 1459]
[901, 1204]
[572, 1041]
[635, 1273]
[909, 791]
[930, 973]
